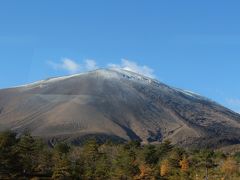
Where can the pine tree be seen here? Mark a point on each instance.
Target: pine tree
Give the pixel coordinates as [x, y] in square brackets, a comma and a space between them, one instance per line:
[126, 165]
[28, 149]
[62, 168]
[164, 149]
[103, 167]
[44, 162]
[62, 148]
[91, 156]
[150, 154]
[204, 159]
[10, 166]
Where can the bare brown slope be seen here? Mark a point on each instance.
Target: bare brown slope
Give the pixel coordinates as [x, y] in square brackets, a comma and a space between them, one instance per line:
[116, 103]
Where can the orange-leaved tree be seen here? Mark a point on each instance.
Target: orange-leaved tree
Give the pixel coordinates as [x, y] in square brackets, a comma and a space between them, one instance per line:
[229, 167]
[184, 164]
[165, 168]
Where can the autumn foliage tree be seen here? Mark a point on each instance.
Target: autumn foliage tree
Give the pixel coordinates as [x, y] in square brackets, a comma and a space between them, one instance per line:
[229, 167]
[26, 157]
[146, 172]
[62, 169]
[62, 166]
[125, 163]
[165, 168]
[184, 164]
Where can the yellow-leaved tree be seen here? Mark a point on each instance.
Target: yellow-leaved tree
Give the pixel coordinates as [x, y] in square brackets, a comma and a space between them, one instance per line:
[229, 167]
[184, 164]
[146, 172]
[165, 168]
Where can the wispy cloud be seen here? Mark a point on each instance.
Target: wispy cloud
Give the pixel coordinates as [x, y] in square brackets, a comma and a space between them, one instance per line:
[134, 67]
[90, 64]
[66, 64]
[71, 66]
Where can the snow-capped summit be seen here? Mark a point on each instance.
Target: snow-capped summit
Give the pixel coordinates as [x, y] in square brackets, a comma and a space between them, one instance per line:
[117, 104]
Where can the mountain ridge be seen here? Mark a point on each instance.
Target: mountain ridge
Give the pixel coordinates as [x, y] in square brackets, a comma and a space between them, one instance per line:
[119, 104]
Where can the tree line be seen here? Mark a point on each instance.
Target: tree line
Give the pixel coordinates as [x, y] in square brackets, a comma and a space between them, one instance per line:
[28, 157]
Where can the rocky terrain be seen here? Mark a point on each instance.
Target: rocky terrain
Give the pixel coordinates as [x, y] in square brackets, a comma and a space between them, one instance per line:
[116, 104]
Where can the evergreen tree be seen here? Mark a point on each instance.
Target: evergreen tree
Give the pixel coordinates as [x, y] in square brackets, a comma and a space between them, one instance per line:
[164, 149]
[126, 165]
[9, 156]
[203, 159]
[150, 154]
[103, 167]
[62, 148]
[29, 149]
[174, 157]
[62, 169]
[27, 157]
[91, 156]
[45, 162]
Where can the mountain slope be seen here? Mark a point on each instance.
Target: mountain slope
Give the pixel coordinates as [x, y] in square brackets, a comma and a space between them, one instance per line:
[118, 104]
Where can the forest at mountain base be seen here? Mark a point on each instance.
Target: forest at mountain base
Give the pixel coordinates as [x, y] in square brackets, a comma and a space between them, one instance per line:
[28, 157]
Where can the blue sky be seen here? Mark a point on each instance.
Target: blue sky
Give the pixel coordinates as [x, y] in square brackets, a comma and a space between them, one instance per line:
[193, 45]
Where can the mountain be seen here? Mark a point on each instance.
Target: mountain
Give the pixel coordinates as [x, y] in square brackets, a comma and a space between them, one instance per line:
[116, 104]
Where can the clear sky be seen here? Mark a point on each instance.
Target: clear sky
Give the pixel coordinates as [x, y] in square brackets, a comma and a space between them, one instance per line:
[193, 45]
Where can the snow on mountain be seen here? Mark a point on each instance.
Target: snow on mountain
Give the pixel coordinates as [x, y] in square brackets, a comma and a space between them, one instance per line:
[115, 103]
[117, 73]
